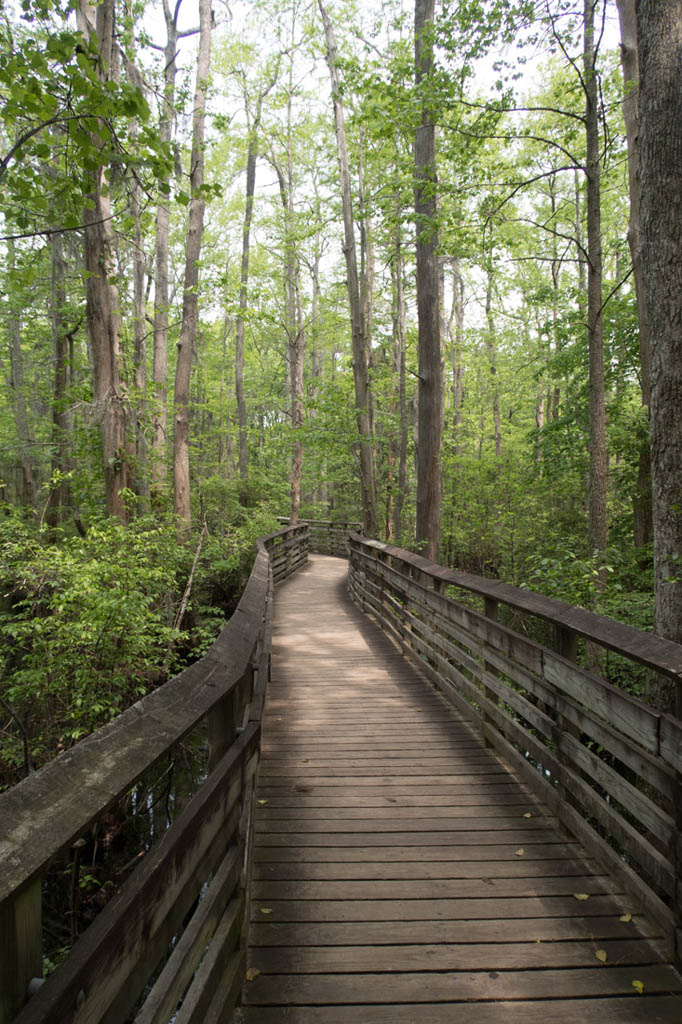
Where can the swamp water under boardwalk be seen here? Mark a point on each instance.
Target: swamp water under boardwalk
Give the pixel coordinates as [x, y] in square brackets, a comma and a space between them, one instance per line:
[401, 873]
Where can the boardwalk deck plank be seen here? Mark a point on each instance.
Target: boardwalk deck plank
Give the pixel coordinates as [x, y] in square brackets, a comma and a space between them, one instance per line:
[402, 875]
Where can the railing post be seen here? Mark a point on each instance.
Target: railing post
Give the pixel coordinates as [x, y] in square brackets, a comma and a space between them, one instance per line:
[21, 947]
[567, 647]
[491, 610]
[677, 864]
[222, 726]
[567, 643]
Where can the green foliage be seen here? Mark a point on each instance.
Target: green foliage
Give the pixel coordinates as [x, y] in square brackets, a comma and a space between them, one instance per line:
[86, 627]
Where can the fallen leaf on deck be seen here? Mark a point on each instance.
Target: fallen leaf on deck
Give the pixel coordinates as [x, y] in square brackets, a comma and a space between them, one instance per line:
[262, 802]
[625, 918]
[581, 895]
[601, 955]
[638, 986]
[266, 910]
[252, 973]
[520, 853]
[528, 815]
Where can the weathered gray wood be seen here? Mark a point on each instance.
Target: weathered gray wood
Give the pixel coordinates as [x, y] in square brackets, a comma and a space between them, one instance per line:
[196, 1006]
[463, 651]
[466, 956]
[462, 986]
[363, 892]
[536, 930]
[654, 652]
[171, 984]
[21, 948]
[51, 808]
[657, 1009]
[108, 967]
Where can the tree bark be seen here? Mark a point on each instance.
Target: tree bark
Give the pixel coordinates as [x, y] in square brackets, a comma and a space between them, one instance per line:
[491, 349]
[102, 301]
[243, 457]
[643, 524]
[59, 492]
[139, 330]
[19, 404]
[161, 290]
[195, 226]
[597, 401]
[430, 409]
[659, 30]
[359, 343]
[400, 401]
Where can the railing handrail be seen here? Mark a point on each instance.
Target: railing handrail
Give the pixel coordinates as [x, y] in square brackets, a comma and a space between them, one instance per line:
[107, 763]
[605, 762]
[50, 809]
[647, 649]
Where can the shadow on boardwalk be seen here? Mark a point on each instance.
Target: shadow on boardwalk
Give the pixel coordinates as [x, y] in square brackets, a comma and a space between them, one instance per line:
[402, 873]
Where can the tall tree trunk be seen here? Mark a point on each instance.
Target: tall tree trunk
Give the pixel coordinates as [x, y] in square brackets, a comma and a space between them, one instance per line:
[140, 334]
[295, 324]
[366, 278]
[161, 289]
[19, 404]
[430, 410]
[360, 356]
[643, 523]
[60, 491]
[659, 32]
[195, 227]
[399, 369]
[243, 458]
[491, 349]
[597, 480]
[102, 301]
[456, 354]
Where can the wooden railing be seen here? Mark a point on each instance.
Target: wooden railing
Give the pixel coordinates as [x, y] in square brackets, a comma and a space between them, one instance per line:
[609, 766]
[144, 952]
[328, 537]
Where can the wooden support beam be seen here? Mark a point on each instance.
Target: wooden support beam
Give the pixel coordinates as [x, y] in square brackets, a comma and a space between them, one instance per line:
[21, 947]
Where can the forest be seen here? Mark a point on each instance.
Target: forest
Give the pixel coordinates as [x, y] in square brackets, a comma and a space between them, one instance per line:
[413, 266]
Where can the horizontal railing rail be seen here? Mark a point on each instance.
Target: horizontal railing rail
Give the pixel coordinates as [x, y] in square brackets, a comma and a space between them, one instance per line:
[200, 862]
[329, 537]
[607, 764]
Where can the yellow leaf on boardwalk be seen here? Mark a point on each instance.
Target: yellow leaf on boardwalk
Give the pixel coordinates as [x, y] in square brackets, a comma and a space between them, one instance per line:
[252, 973]
[266, 910]
[638, 986]
[581, 895]
[262, 802]
[520, 853]
[625, 918]
[528, 815]
[601, 955]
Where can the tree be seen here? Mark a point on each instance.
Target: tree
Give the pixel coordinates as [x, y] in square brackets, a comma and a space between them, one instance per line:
[429, 485]
[359, 341]
[195, 226]
[659, 32]
[595, 331]
[161, 291]
[102, 294]
[630, 63]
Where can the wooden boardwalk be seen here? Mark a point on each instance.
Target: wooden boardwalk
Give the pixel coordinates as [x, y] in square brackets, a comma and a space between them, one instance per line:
[402, 874]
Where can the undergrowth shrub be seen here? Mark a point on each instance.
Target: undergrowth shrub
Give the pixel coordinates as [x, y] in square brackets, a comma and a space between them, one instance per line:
[88, 624]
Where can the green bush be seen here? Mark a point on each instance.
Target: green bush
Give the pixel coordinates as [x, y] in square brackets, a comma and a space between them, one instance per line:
[86, 627]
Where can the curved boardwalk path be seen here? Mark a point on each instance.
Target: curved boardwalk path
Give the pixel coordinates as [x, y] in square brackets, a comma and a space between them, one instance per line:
[401, 873]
